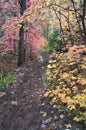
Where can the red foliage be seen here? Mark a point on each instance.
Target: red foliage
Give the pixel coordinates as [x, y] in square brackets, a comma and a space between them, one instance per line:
[33, 37]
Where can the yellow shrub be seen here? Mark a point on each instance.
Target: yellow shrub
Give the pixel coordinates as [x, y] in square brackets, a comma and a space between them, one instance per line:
[67, 80]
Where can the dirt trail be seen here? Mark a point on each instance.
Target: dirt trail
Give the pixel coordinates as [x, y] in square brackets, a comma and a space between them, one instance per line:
[23, 108]
[20, 107]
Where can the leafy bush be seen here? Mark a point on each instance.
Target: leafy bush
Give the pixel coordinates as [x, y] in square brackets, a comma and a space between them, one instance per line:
[6, 80]
[66, 80]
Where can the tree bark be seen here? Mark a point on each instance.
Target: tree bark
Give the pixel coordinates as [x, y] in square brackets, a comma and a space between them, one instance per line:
[83, 20]
[21, 47]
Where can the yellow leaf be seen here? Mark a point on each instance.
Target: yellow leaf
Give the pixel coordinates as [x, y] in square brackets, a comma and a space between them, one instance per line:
[62, 95]
[76, 119]
[84, 58]
[83, 81]
[69, 100]
[84, 91]
[74, 71]
[55, 92]
[47, 93]
[83, 66]
[54, 65]
[68, 125]
[72, 107]
[65, 75]
[54, 99]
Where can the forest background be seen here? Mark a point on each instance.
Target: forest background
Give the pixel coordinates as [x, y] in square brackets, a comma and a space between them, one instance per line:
[58, 28]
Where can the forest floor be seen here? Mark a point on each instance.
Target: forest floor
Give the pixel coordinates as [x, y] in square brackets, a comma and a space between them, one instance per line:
[23, 108]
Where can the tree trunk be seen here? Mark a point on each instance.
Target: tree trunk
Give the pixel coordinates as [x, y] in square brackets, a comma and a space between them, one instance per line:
[21, 48]
[83, 20]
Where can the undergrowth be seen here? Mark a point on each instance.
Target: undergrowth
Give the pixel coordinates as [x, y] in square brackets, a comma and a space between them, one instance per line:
[66, 82]
[6, 80]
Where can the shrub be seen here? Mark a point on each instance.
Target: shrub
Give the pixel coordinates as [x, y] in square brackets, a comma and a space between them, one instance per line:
[66, 80]
[6, 80]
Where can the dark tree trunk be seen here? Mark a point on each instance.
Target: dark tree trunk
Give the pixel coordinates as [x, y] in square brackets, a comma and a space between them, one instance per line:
[21, 47]
[70, 35]
[83, 20]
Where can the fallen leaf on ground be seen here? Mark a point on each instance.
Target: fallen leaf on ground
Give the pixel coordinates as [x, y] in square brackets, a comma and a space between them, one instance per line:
[15, 103]
[2, 94]
[68, 125]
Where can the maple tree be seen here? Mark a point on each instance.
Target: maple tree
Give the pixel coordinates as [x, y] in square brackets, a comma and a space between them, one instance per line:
[15, 34]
